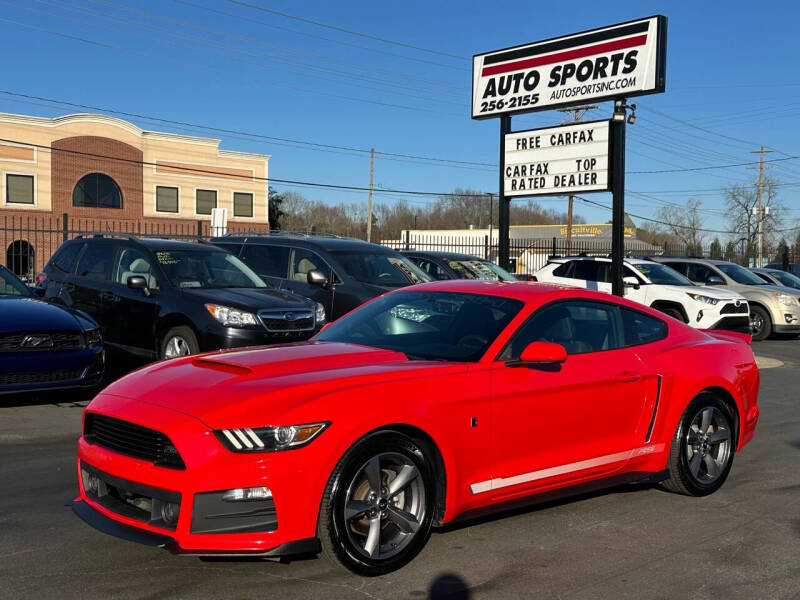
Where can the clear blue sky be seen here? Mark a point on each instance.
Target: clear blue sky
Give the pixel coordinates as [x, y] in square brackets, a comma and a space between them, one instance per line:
[731, 70]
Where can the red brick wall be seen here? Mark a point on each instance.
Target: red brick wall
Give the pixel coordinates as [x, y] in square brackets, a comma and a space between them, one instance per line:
[67, 168]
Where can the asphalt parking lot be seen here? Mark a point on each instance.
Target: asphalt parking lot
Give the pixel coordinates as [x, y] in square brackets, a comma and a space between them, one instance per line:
[630, 542]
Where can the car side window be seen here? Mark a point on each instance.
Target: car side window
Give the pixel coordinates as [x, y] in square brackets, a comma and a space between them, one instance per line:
[132, 262]
[640, 328]
[580, 326]
[95, 262]
[64, 258]
[564, 270]
[431, 268]
[586, 270]
[302, 261]
[628, 272]
[268, 261]
[678, 266]
[699, 273]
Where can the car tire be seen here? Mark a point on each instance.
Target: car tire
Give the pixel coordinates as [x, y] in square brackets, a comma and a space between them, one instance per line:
[373, 531]
[703, 447]
[178, 341]
[760, 323]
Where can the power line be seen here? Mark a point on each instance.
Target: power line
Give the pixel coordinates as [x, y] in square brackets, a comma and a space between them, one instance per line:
[343, 30]
[226, 131]
[315, 36]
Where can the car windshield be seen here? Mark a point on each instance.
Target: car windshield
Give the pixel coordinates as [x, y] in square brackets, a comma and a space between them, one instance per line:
[12, 286]
[740, 274]
[380, 269]
[479, 269]
[661, 274]
[206, 269]
[427, 325]
[787, 279]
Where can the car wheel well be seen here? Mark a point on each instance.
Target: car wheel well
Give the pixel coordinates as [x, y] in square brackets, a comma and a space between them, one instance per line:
[167, 323]
[662, 304]
[762, 307]
[422, 438]
[727, 398]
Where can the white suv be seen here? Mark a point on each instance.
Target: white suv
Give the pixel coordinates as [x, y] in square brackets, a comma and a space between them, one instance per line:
[657, 286]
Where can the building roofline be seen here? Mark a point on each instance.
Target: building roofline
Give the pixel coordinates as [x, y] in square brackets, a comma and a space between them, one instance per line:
[127, 126]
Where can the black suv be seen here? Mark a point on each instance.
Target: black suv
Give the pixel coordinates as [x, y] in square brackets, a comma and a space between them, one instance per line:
[452, 265]
[163, 298]
[339, 273]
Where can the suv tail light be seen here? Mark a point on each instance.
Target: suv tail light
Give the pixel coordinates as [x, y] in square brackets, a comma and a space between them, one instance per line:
[40, 278]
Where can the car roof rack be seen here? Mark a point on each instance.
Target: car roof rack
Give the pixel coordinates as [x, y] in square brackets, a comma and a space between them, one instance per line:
[138, 238]
[294, 234]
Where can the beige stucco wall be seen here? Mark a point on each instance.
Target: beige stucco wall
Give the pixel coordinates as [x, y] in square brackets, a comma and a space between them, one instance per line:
[230, 171]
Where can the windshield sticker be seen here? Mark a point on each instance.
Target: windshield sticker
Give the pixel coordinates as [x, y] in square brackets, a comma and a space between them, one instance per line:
[166, 258]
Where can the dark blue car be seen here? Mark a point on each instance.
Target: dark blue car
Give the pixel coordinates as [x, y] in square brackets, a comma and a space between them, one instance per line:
[43, 346]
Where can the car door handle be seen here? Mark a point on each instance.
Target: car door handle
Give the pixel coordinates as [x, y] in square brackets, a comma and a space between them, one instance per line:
[110, 296]
[628, 377]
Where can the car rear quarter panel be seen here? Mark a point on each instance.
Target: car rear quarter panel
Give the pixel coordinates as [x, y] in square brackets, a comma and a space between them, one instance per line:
[694, 365]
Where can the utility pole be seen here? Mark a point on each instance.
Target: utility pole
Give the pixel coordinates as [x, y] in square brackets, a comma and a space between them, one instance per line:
[369, 202]
[577, 114]
[760, 210]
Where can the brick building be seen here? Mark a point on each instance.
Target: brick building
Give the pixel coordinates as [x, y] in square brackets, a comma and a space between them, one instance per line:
[84, 173]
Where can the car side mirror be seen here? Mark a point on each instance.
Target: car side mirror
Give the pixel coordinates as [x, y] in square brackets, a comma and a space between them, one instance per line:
[138, 282]
[540, 353]
[715, 280]
[316, 277]
[631, 281]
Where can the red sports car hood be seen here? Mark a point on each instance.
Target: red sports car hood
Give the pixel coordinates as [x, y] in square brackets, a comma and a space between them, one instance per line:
[244, 388]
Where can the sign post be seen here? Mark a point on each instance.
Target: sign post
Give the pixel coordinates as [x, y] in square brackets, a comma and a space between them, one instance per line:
[610, 63]
[618, 197]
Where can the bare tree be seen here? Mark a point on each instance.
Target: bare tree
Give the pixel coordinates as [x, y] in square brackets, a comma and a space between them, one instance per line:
[685, 224]
[741, 199]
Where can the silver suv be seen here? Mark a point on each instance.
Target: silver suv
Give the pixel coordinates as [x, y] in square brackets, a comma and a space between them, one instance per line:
[773, 309]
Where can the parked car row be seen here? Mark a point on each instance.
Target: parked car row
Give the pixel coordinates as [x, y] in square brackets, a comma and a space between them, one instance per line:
[704, 293]
[159, 298]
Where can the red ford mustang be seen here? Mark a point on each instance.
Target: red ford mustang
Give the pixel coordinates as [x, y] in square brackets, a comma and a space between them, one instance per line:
[428, 404]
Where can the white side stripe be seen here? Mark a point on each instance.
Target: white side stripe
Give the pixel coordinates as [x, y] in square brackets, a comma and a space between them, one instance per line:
[501, 482]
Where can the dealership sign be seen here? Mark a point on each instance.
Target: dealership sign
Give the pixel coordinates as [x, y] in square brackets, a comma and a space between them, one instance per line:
[557, 160]
[622, 60]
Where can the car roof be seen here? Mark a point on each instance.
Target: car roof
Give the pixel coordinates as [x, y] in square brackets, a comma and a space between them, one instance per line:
[158, 243]
[440, 254]
[524, 291]
[628, 260]
[321, 241]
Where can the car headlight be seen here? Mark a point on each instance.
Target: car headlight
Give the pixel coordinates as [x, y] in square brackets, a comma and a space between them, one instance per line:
[93, 337]
[319, 313]
[786, 299]
[702, 298]
[269, 439]
[231, 317]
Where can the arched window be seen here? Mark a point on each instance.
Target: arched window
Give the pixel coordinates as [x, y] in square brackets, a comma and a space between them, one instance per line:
[97, 190]
[21, 258]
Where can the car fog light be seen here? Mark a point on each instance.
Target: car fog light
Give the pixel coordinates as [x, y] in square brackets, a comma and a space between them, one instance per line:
[699, 316]
[790, 318]
[169, 512]
[253, 494]
[91, 483]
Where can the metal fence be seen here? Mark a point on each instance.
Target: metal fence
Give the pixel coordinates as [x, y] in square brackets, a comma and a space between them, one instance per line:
[530, 255]
[28, 242]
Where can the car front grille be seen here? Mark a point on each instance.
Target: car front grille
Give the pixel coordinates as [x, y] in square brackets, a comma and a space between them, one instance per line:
[733, 309]
[36, 377]
[282, 321]
[41, 341]
[132, 440]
